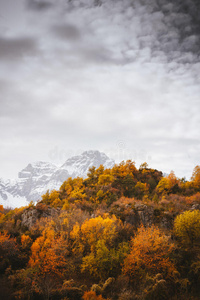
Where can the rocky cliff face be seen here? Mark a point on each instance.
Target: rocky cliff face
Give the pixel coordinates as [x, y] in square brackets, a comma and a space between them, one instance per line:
[36, 178]
[143, 214]
[31, 215]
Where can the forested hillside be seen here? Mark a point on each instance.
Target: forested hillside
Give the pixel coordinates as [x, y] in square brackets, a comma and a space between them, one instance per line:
[122, 233]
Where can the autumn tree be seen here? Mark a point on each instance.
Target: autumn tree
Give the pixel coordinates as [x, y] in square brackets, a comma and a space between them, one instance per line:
[124, 177]
[99, 171]
[86, 236]
[44, 256]
[128, 185]
[91, 177]
[168, 184]
[105, 262]
[187, 228]
[141, 189]
[9, 252]
[73, 189]
[143, 166]
[48, 262]
[26, 243]
[149, 254]
[45, 198]
[91, 295]
[105, 179]
[196, 178]
[149, 176]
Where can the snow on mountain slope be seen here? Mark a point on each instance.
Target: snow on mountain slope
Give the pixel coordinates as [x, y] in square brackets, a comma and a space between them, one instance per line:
[79, 165]
[13, 201]
[36, 178]
[36, 169]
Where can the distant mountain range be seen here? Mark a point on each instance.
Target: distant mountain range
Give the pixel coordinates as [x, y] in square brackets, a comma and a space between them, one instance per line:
[38, 177]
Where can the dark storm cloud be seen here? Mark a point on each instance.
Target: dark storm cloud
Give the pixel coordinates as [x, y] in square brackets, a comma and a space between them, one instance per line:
[125, 28]
[183, 20]
[191, 8]
[171, 27]
[38, 5]
[17, 48]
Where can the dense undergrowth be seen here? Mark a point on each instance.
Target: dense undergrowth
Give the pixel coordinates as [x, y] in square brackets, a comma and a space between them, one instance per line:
[122, 233]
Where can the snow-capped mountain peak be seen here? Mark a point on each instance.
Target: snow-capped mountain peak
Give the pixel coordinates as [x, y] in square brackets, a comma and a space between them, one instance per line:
[38, 177]
[80, 164]
[37, 169]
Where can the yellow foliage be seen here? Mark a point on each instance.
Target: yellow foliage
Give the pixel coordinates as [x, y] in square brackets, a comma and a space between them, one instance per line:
[187, 228]
[99, 171]
[57, 203]
[105, 179]
[65, 205]
[74, 188]
[166, 184]
[142, 187]
[123, 169]
[100, 194]
[78, 194]
[54, 195]
[94, 229]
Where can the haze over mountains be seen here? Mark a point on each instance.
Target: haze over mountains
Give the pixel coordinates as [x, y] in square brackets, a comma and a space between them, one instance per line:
[38, 177]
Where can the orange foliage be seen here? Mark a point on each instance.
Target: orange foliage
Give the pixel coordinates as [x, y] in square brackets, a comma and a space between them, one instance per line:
[193, 199]
[149, 254]
[92, 296]
[45, 256]
[196, 177]
[26, 241]
[41, 207]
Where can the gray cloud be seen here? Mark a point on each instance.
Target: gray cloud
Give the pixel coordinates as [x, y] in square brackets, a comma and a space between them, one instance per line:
[99, 74]
[17, 48]
[67, 31]
[39, 5]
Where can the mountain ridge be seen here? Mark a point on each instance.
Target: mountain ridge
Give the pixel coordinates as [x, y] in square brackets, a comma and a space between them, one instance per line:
[38, 177]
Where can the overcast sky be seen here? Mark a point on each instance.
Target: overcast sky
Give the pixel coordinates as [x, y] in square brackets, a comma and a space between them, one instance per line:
[119, 76]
